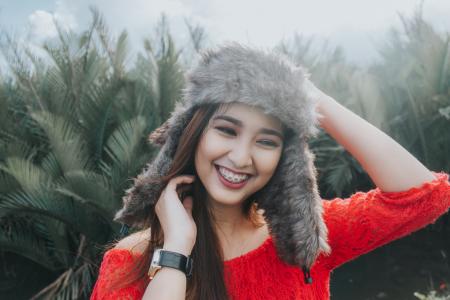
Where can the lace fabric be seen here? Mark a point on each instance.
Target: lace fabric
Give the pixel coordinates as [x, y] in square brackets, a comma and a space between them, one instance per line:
[365, 221]
[117, 262]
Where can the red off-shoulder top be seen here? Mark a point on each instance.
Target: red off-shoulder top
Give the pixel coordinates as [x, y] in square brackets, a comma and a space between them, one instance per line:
[356, 225]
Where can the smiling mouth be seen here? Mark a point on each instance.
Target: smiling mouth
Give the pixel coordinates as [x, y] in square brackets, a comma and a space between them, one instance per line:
[229, 183]
[233, 172]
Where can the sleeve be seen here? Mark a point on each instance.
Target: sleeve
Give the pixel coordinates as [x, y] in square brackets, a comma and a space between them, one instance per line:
[116, 262]
[368, 220]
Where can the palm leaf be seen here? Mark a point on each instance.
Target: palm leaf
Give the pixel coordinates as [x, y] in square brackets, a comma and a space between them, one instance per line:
[67, 144]
[69, 210]
[21, 237]
[31, 178]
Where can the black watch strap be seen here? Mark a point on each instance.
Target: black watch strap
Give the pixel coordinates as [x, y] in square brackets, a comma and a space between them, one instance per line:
[176, 261]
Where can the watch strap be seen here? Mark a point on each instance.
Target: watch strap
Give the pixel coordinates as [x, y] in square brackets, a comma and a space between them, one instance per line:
[177, 261]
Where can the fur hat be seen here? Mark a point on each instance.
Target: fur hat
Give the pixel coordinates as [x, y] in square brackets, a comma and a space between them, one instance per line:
[292, 206]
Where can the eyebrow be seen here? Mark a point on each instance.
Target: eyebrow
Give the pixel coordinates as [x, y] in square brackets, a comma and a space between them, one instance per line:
[240, 124]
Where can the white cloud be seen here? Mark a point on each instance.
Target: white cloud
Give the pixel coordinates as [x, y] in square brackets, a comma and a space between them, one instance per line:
[42, 23]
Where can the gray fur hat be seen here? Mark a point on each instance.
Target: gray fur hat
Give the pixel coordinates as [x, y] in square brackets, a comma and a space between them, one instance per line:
[292, 206]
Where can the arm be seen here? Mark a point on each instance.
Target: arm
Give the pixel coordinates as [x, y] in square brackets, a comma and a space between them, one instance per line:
[368, 220]
[391, 167]
[408, 196]
[168, 283]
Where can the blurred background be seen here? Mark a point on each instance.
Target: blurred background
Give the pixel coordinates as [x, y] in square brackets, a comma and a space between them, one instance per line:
[82, 83]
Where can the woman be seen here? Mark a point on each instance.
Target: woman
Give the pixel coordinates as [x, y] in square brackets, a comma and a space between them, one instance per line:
[233, 190]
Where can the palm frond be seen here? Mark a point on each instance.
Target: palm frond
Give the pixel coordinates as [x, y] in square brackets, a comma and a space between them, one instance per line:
[72, 284]
[90, 188]
[66, 142]
[31, 178]
[21, 237]
[122, 143]
[72, 211]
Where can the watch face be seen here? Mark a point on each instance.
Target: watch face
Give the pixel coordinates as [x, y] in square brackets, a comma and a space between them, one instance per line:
[156, 257]
[154, 266]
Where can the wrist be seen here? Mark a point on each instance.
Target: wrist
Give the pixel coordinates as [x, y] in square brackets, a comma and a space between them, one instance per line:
[177, 247]
[173, 258]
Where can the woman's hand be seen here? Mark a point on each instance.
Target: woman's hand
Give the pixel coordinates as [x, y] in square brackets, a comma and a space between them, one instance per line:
[175, 216]
[318, 97]
[391, 167]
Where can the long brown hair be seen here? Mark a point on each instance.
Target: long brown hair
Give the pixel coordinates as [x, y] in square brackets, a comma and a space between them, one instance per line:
[207, 281]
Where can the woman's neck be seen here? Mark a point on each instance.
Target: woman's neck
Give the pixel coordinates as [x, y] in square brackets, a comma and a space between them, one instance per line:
[243, 241]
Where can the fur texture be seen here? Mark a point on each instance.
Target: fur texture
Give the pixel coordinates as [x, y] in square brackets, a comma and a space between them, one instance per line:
[291, 202]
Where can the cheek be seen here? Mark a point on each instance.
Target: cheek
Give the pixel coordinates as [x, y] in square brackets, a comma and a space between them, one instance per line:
[266, 163]
[210, 147]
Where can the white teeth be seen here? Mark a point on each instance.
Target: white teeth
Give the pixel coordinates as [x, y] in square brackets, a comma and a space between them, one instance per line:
[232, 176]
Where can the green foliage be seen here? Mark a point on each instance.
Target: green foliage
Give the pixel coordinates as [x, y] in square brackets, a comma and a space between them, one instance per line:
[73, 134]
[415, 77]
[406, 94]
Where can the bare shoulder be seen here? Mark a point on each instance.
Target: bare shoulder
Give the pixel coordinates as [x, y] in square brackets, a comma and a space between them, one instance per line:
[136, 241]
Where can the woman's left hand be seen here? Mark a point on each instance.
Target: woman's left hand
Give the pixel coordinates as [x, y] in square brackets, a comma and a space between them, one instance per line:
[317, 95]
[391, 167]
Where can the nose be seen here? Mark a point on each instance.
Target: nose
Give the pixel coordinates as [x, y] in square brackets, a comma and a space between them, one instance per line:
[241, 156]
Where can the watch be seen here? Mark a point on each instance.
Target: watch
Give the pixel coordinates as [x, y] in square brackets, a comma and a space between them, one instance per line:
[165, 258]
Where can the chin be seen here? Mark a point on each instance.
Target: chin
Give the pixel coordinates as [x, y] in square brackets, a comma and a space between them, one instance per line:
[224, 198]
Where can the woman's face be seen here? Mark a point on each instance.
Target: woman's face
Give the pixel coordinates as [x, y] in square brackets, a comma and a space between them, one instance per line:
[241, 139]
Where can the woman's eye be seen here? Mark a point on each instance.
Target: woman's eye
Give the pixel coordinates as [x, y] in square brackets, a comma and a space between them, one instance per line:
[226, 130]
[269, 143]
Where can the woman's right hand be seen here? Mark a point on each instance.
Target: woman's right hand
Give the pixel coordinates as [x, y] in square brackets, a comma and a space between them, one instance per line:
[180, 230]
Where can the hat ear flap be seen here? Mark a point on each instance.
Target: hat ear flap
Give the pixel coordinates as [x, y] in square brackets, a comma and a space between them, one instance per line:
[140, 199]
[295, 219]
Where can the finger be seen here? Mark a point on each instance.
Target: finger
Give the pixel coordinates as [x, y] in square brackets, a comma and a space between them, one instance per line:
[177, 182]
[174, 182]
[181, 179]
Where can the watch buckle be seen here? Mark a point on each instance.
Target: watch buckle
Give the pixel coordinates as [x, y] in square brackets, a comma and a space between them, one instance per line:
[152, 271]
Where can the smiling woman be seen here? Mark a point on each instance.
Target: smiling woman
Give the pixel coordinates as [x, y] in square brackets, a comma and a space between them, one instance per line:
[224, 213]
[236, 157]
[232, 197]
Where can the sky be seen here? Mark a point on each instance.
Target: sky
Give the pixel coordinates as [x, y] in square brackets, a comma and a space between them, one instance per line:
[358, 26]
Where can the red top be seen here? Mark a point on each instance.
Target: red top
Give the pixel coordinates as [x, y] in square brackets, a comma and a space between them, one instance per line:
[356, 225]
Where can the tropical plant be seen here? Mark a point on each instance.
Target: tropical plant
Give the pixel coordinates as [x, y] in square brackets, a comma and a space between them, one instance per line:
[73, 133]
[406, 94]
